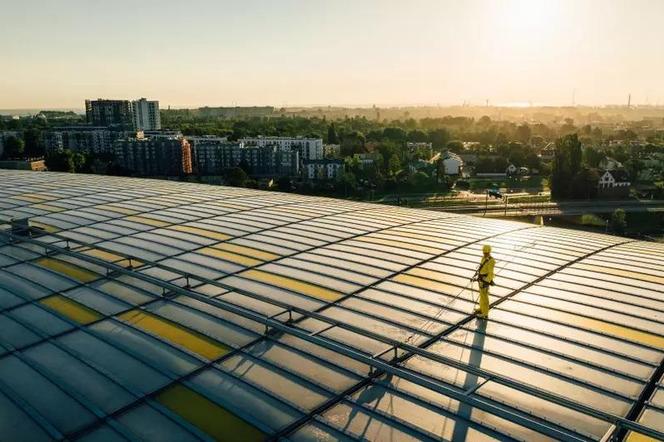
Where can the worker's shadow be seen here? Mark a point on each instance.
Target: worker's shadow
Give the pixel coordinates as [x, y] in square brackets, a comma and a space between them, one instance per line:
[377, 397]
[472, 381]
[374, 397]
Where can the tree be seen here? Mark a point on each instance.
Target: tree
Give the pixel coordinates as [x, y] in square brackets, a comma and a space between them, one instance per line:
[418, 136]
[523, 134]
[630, 135]
[560, 171]
[485, 120]
[33, 143]
[245, 166]
[347, 181]
[484, 165]
[537, 141]
[586, 130]
[575, 153]
[533, 161]
[634, 167]
[500, 164]
[285, 184]
[352, 143]
[395, 134]
[371, 173]
[394, 165]
[567, 163]
[618, 221]
[237, 177]
[455, 146]
[419, 181]
[584, 183]
[61, 160]
[592, 156]
[14, 148]
[332, 136]
[439, 138]
[568, 127]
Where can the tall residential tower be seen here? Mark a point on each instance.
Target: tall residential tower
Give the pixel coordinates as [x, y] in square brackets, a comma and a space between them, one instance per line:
[146, 114]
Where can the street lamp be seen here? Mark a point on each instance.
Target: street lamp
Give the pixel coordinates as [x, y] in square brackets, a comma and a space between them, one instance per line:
[486, 202]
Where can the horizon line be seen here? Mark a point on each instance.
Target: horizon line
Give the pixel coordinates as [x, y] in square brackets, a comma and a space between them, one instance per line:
[359, 106]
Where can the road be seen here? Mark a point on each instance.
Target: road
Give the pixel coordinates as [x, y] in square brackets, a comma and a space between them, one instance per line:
[560, 208]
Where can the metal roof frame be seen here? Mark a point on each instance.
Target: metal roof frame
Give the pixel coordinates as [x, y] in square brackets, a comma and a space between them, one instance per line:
[381, 365]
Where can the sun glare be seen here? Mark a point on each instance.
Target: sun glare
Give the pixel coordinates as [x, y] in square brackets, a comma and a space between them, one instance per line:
[523, 26]
[524, 17]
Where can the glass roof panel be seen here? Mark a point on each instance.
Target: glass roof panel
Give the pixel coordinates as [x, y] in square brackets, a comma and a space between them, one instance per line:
[192, 311]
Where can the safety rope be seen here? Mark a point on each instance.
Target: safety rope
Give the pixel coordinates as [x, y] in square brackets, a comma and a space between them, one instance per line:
[443, 308]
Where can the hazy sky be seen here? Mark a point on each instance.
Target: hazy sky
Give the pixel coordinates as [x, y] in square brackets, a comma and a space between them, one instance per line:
[311, 52]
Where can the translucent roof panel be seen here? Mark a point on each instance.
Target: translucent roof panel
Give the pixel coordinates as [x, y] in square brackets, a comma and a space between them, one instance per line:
[158, 310]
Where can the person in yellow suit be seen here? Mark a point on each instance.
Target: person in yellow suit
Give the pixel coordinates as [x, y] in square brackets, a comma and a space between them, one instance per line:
[484, 276]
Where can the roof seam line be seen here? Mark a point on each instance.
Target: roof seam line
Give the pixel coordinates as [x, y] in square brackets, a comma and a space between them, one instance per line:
[617, 432]
[328, 404]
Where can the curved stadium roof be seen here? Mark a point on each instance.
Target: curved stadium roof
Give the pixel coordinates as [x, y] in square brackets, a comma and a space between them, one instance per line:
[156, 310]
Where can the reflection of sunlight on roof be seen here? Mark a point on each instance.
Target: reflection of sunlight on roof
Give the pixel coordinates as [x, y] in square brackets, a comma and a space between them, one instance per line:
[272, 325]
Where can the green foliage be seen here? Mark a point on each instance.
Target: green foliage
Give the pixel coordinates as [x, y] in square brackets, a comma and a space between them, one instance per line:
[332, 136]
[236, 177]
[590, 219]
[417, 136]
[395, 134]
[491, 165]
[634, 167]
[393, 165]
[419, 181]
[352, 143]
[618, 221]
[285, 184]
[14, 148]
[463, 184]
[33, 143]
[455, 146]
[592, 156]
[347, 182]
[439, 138]
[63, 160]
[584, 183]
[570, 177]
[523, 134]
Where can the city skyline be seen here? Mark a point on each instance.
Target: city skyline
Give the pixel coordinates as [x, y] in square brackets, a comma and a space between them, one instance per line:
[296, 53]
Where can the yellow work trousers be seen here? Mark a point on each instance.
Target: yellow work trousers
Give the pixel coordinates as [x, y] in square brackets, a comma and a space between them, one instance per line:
[484, 300]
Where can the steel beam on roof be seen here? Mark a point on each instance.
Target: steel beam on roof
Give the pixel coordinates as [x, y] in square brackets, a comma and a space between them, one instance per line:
[620, 431]
[387, 367]
[103, 417]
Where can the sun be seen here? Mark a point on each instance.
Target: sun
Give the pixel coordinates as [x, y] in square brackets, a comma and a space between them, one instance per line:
[521, 16]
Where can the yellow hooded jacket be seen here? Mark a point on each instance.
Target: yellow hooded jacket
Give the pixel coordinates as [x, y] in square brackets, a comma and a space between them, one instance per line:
[486, 270]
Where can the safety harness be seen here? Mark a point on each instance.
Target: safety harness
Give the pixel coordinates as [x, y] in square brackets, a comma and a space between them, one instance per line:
[479, 275]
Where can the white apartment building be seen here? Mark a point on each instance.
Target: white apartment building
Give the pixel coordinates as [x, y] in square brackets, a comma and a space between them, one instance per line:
[146, 114]
[452, 164]
[308, 148]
